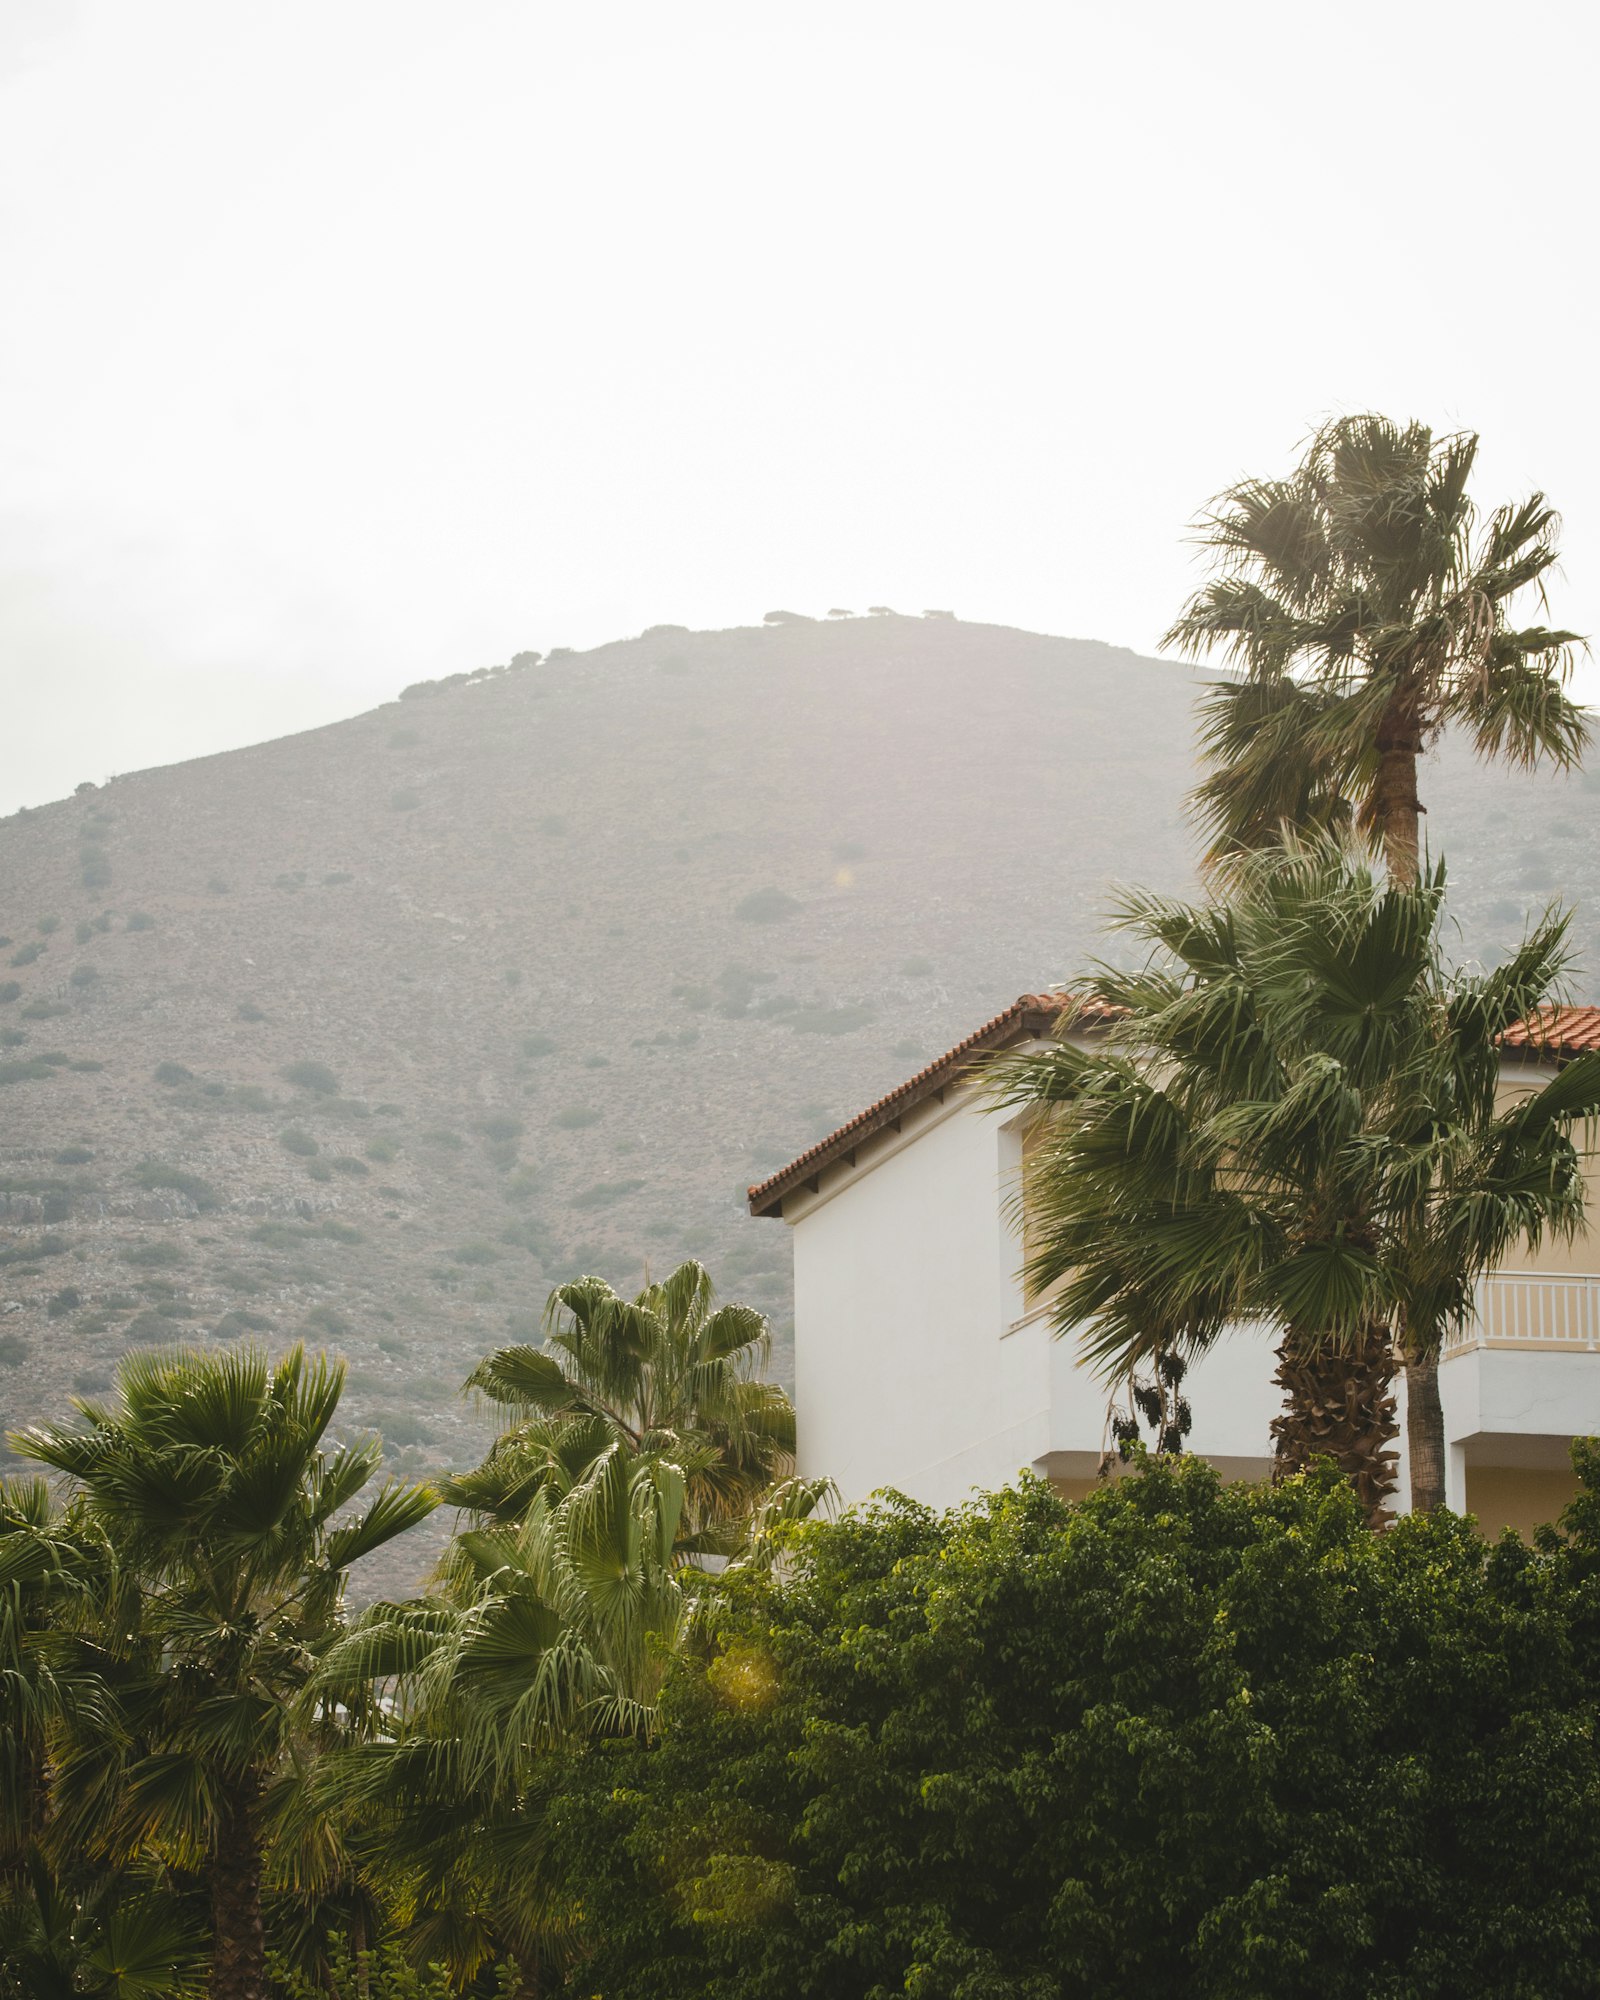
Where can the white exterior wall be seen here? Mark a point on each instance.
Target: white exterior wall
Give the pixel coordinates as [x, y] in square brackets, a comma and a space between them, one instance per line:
[917, 1368]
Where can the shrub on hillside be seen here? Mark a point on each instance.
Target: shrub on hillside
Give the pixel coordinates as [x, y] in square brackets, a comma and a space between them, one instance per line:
[95, 868]
[10, 989]
[576, 1117]
[238, 1321]
[13, 1350]
[347, 1163]
[45, 1010]
[153, 1256]
[765, 906]
[475, 1253]
[161, 1174]
[25, 1069]
[172, 1073]
[313, 1076]
[383, 1149]
[830, 1020]
[295, 1139]
[605, 1194]
[141, 920]
[83, 976]
[247, 1010]
[26, 954]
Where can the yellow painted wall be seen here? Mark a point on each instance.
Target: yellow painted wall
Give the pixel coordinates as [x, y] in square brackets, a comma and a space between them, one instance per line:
[1506, 1497]
[1582, 1254]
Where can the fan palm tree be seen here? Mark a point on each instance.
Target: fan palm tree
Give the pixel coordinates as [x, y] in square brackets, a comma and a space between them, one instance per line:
[208, 1479]
[669, 1373]
[551, 1629]
[1367, 604]
[1294, 1122]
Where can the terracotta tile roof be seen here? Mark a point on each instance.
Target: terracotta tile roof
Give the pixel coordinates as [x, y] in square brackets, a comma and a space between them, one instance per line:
[1561, 1032]
[1029, 1015]
[1556, 1032]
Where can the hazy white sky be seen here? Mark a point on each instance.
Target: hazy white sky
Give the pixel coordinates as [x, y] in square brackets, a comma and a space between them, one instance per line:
[354, 342]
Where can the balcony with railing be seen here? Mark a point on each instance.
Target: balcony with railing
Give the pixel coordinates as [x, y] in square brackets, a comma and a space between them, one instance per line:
[1534, 1309]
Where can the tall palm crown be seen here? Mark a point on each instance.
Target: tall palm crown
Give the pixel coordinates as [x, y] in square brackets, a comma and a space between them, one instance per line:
[1368, 604]
[208, 1479]
[1295, 1121]
[667, 1373]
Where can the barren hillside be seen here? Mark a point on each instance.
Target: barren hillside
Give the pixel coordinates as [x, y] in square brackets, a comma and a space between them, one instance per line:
[376, 1032]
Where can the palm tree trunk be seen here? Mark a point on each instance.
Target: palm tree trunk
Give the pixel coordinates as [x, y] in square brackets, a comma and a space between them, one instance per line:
[238, 1951]
[1338, 1404]
[1424, 1433]
[1396, 811]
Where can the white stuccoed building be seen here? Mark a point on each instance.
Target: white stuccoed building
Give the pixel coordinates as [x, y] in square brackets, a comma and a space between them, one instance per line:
[920, 1365]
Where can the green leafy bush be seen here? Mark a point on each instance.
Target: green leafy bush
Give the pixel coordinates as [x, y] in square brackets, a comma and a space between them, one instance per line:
[296, 1139]
[347, 1163]
[141, 920]
[173, 1072]
[539, 1045]
[319, 1170]
[28, 953]
[247, 1010]
[83, 976]
[10, 989]
[1177, 1738]
[576, 1117]
[382, 1149]
[48, 926]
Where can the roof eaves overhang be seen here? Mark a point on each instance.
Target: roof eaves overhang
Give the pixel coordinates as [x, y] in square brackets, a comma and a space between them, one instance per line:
[1030, 1017]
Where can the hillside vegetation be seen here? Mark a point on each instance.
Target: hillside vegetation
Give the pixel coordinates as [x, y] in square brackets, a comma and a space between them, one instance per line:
[375, 1033]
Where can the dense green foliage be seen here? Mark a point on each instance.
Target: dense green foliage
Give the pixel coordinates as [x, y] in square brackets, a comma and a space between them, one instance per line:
[1177, 1739]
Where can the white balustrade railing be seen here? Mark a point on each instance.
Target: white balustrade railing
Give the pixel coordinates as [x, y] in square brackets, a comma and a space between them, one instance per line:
[1534, 1309]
